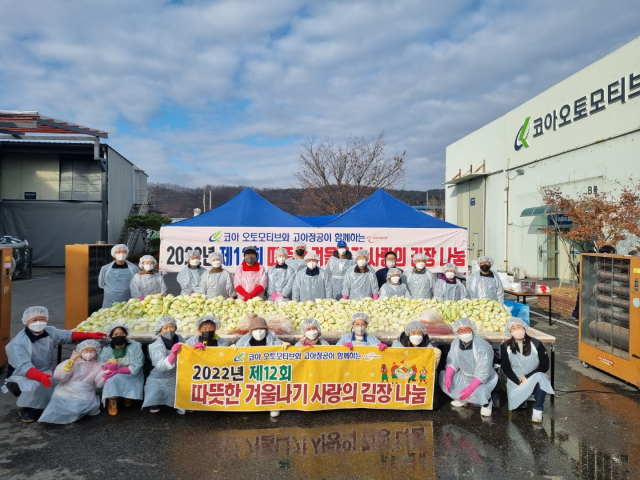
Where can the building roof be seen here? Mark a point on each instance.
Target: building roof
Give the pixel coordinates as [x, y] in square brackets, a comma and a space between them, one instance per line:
[22, 122]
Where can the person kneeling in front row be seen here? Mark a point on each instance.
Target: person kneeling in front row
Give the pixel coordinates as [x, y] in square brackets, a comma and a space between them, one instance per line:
[259, 335]
[469, 376]
[525, 362]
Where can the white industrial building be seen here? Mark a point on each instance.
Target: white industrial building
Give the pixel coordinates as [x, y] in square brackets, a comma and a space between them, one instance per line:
[581, 135]
[59, 185]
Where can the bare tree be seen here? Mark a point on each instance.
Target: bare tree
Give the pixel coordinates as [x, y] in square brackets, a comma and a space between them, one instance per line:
[338, 176]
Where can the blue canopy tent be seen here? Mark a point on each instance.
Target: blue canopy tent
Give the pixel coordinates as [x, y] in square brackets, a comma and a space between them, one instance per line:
[384, 210]
[247, 209]
[317, 221]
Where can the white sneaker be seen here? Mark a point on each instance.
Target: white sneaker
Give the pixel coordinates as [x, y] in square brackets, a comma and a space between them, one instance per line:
[486, 411]
[458, 403]
[537, 416]
[181, 411]
[275, 413]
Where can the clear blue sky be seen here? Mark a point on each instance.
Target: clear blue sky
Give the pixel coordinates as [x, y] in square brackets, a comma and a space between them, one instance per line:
[224, 92]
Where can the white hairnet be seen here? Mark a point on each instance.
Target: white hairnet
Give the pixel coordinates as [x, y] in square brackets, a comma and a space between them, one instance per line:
[311, 256]
[209, 318]
[147, 258]
[32, 312]
[463, 322]
[308, 322]
[515, 321]
[89, 344]
[450, 266]
[113, 326]
[281, 251]
[192, 253]
[485, 259]
[415, 325]
[394, 271]
[213, 255]
[120, 246]
[162, 322]
[300, 244]
[362, 252]
[358, 315]
[420, 256]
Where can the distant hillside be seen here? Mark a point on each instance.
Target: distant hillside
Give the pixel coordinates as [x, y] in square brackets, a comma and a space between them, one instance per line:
[179, 202]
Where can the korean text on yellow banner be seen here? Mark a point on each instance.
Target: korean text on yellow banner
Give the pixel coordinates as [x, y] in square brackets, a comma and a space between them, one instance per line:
[304, 378]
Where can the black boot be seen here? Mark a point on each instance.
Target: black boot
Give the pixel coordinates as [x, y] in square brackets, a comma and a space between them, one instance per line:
[28, 415]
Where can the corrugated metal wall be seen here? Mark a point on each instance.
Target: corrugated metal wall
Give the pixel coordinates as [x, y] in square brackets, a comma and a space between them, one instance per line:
[141, 184]
[120, 180]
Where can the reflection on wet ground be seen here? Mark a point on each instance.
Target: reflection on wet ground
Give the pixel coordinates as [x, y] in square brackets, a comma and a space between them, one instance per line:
[586, 435]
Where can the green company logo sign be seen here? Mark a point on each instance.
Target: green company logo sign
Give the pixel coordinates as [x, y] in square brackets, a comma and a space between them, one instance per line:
[215, 237]
[523, 133]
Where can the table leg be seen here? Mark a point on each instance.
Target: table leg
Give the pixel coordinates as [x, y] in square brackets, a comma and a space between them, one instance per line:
[59, 354]
[549, 310]
[524, 299]
[553, 370]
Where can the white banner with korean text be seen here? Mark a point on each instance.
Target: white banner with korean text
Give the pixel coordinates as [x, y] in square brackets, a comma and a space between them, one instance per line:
[441, 245]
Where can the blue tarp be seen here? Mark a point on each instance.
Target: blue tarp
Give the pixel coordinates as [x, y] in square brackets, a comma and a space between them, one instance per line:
[247, 209]
[383, 210]
[317, 221]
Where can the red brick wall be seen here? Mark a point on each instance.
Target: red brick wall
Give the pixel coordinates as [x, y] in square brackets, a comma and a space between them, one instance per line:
[562, 305]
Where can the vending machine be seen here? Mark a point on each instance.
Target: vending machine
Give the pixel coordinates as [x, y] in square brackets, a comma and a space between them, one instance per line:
[610, 314]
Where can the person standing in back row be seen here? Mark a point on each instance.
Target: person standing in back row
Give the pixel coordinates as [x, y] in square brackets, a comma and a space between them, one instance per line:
[338, 264]
[390, 260]
[484, 283]
[116, 276]
[297, 261]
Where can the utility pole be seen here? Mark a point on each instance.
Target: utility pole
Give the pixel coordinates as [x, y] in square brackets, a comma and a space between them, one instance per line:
[209, 199]
[204, 202]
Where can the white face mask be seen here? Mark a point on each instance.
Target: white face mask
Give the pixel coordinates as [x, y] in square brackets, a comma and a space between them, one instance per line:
[395, 280]
[466, 337]
[259, 334]
[359, 330]
[518, 334]
[420, 265]
[362, 263]
[121, 256]
[194, 263]
[216, 264]
[311, 334]
[449, 275]
[88, 356]
[148, 267]
[416, 339]
[342, 251]
[312, 265]
[37, 326]
[281, 260]
[391, 263]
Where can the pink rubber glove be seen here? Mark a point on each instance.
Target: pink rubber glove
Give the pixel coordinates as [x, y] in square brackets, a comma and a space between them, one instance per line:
[448, 376]
[141, 297]
[349, 345]
[346, 297]
[191, 293]
[307, 344]
[382, 346]
[274, 296]
[108, 375]
[468, 391]
[110, 367]
[124, 370]
[199, 345]
[375, 296]
[174, 353]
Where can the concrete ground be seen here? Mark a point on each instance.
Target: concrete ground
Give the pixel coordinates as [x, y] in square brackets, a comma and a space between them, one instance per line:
[590, 432]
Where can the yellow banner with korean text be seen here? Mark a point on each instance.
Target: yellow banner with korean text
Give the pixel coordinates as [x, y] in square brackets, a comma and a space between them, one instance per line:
[304, 378]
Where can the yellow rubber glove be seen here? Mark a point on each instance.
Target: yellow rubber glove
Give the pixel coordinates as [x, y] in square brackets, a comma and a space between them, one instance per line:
[285, 345]
[68, 366]
[235, 347]
[438, 354]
